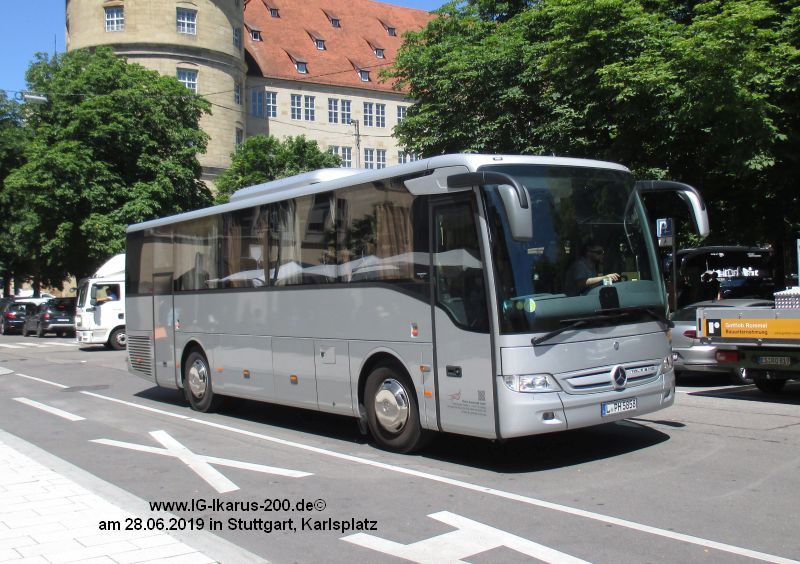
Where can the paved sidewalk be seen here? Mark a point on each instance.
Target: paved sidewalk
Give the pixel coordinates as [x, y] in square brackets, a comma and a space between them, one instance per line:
[47, 517]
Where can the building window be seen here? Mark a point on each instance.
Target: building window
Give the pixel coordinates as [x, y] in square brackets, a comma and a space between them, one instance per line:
[391, 31]
[381, 162]
[369, 158]
[301, 67]
[272, 104]
[403, 157]
[255, 35]
[310, 114]
[363, 75]
[333, 110]
[237, 37]
[115, 18]
[320, 43]
[237, 93]
[369, 114]
[187, 21]
[257, 102]
[335, 22]
[379, 53]
[346, 119]
[380, 115]
[297, 106]
[347, 157]
[239, 136]
[401, 113]
[188, 78]
[274, 12]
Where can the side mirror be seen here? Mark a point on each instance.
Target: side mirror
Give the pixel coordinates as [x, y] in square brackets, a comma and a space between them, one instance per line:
[687, 193]
[512, 193]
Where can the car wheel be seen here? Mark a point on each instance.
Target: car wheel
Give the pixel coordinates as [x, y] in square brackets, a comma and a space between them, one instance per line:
[770, 386]
[392, 412]
[740, 376]
[197, 383]
[118, 339]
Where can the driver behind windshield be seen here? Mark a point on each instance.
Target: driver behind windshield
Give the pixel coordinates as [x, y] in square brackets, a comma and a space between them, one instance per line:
[586, 271]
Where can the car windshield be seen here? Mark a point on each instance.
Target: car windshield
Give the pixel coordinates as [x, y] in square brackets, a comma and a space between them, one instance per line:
[587, 222]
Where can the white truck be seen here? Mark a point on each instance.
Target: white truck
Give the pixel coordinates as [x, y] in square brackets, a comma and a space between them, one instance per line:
[764, 341]
[100, 312]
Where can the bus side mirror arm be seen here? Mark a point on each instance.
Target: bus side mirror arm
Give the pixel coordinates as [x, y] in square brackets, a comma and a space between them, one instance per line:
[513, 194]
[687, 193]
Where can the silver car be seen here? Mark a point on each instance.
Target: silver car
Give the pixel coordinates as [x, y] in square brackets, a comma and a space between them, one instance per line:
[689, 353]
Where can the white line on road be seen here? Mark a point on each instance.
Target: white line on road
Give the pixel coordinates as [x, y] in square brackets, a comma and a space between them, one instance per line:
[5, 346]
[62, 344]
[34, 345]
[49, 409]
[56, 384]
[477, 488]
[136, 405]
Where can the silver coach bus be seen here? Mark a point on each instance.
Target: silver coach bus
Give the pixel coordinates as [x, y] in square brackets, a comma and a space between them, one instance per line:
[430, 296]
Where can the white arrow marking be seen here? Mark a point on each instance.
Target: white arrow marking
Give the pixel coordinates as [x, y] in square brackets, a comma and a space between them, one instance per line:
[201, 464]
[49, 409]
[469, 538]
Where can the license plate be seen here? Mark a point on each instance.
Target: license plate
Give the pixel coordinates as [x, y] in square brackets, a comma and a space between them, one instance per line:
[62, 320]
[619, 406]
[774, 360]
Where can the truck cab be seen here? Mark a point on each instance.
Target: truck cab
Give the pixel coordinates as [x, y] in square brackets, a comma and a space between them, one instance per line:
[100, 311]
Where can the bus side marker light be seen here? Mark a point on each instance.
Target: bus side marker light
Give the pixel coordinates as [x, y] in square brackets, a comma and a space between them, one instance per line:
[424, 368]
[220, 370]
[246, 373]
[293, 379]
[428, 394]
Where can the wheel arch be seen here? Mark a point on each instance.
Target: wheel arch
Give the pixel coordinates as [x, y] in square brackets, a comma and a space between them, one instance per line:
[191, 346]
[382, 357]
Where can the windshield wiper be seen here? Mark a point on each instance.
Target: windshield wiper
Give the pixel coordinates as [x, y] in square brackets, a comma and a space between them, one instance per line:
[603, 316]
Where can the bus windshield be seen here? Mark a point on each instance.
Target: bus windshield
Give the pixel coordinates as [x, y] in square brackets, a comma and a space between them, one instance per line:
[591, 249]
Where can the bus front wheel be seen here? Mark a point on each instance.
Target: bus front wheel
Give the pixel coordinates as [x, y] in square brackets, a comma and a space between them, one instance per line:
[197, 383]
[392, 411]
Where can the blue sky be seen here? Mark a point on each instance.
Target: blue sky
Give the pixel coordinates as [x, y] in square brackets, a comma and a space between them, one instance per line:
[31, 26]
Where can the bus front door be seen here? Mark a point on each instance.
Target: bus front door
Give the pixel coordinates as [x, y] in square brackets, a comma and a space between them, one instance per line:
[463, 351]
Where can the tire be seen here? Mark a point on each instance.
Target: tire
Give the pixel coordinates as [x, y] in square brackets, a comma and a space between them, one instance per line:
[39, 331]
[740, 377]
[392, 411]
[118, 339]
[197, 385]
[770, 386]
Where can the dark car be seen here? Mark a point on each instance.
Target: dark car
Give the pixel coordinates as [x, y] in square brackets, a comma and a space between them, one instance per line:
[55, 316]
[14, 315]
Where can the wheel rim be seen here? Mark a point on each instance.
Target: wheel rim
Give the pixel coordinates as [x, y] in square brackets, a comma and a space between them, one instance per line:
[122, 339]
[391, 405]
[198, 378]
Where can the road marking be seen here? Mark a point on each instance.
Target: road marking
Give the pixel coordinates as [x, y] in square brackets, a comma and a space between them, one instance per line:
[9, 346]
[732, 549]
[137, 405]
[201, 464]
[469, 538]
[4, 371]
[34, 345]
[49, 409]
[62, 344]
[56, 384]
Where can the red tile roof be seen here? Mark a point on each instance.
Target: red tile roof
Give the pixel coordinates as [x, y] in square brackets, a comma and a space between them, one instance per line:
[347, 48]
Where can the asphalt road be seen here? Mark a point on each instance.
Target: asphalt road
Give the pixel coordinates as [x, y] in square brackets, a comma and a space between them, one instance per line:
[715, 478]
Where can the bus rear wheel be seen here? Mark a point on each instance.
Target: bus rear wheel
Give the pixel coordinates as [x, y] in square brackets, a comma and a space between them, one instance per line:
[392, 411]
[197, 383]
[770, 386]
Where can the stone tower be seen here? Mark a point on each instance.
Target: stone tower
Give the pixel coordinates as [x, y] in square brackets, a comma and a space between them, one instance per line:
[201, 42]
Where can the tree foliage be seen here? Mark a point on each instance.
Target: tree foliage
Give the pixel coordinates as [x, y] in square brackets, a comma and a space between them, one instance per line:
[12, 146]
[262, 158]
[701, 91]
[115, 144]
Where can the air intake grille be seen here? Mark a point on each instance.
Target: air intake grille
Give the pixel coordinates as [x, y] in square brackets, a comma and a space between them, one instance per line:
[140, 354]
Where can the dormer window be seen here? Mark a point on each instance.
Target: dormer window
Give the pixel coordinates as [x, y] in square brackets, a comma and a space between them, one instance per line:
[255, 35]
[333, 18]
[363, 75]
[379, 53]
[320, 43]
[390, 29]
[300, 63]
[274, 12]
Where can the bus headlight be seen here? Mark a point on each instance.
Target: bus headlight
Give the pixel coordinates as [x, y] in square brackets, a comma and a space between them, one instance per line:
[531, 383]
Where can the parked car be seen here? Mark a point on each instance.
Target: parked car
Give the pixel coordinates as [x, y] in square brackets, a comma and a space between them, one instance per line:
[55, 316]
[689, 353]
[14, 315]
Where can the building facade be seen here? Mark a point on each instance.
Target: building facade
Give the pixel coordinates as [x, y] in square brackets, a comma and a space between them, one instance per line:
[274, 67]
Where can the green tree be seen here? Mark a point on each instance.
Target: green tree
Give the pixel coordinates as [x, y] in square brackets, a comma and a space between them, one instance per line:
[12, 146]
[704, 92]
[262, 158]
[115, 144]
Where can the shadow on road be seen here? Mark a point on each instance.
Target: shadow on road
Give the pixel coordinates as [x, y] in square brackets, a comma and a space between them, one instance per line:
[528, 454]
